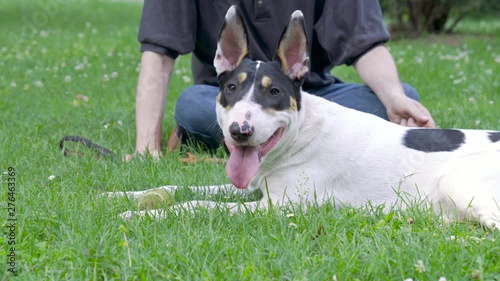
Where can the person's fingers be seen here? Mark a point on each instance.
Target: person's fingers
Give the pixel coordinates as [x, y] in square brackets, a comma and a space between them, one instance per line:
[420, 116]
[411, 123]
[403, 122]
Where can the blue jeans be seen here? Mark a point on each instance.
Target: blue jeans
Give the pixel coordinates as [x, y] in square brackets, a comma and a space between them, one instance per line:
[195, 109]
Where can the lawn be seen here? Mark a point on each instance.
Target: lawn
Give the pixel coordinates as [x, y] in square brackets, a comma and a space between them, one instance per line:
[70, 67]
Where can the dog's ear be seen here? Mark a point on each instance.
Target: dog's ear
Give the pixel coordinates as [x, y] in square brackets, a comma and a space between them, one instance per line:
[292, 52]
[232, 44]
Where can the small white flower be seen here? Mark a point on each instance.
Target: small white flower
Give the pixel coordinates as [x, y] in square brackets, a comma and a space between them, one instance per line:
[67, 78]
[419, 266]
[292, 225]
[79, 66]
[186, 79]
[457, 81]
[106, 125]
[83, 97]
[51, 177]
[44, 33]
[442, 278]
[114, 74]
[478, 121]
[488, 71]
[491, 102]
[119, 122]
[81, 35]
[4, 49]
[290, 215]
[88, 24]
[105, 77]
[472, 100]
[497, 59]
[39, 84]
[408, 279]
[13, 84]
[110, 54]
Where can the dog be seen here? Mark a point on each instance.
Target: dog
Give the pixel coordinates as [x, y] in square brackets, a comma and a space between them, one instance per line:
[299, 148]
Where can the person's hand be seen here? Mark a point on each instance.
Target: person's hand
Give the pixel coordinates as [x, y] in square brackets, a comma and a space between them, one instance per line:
[407, 112]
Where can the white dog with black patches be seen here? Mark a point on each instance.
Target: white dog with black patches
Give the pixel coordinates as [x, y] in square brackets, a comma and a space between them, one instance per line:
[299, 148]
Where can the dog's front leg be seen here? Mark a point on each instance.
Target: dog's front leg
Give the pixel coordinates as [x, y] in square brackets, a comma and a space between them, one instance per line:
[207, 189]
[138, 194]
[192, 206]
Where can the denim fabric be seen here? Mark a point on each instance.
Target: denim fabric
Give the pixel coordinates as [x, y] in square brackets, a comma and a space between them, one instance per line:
[195, 109]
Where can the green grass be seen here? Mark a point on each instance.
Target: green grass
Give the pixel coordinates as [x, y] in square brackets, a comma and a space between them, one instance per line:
[53, 51]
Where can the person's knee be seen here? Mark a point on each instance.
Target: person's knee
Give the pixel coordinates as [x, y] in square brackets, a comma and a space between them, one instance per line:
[191, 107]
[195, 115]
[183, 107]
[411, 92]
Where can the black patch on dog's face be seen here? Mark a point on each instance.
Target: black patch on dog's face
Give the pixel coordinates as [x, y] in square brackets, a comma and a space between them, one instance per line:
[233, 89]
[271, 88]
[494, 136]
[433, 140]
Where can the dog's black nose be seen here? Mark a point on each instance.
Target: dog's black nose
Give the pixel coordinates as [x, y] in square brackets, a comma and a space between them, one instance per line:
[240, 134]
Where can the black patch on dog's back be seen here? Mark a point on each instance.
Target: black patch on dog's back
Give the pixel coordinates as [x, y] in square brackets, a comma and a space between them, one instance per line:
[433, 140]
[494, 136]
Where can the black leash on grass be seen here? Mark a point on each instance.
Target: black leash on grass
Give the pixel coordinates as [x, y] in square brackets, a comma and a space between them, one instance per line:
[100, 150]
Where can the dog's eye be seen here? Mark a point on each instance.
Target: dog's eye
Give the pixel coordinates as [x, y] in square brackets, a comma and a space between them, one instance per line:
[274, 91]
[231, 87]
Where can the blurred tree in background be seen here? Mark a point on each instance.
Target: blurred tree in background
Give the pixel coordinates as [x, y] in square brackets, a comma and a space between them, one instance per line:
[410, 18]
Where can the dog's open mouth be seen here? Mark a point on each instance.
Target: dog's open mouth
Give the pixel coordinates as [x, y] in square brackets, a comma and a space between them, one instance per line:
[244, 161]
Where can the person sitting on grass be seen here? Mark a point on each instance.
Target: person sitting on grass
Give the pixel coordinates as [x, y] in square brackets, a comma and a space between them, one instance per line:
[340, 32]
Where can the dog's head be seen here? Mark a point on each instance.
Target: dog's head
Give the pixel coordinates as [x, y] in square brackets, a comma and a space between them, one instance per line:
[258, 101]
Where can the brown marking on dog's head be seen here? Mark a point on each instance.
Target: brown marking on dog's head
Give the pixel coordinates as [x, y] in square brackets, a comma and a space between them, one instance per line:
[266, 81]
[242, 76]
[293, 104]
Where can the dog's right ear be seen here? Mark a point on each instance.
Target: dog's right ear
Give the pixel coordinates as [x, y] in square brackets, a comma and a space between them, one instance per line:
[232, 45]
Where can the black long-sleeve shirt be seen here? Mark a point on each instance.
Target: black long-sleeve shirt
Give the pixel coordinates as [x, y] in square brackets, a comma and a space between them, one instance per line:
[339, 31]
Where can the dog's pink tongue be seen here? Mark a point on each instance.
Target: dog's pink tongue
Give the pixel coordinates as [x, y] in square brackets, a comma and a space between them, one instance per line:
[242, 165]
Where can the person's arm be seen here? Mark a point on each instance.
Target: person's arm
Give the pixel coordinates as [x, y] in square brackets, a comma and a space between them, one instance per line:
[154, 76]
[378, 71]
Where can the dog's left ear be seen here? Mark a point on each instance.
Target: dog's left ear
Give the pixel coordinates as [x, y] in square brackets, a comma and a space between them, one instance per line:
[292, 51]
[232, 44]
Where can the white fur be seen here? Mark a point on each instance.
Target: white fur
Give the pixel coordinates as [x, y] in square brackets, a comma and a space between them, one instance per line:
[331, 153]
